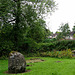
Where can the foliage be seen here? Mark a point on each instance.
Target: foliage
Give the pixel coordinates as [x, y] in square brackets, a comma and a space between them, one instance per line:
[6, 47]
[37, 31]
[60, 36]
[28, 46]
[64, 28]
[42, 47]
[49, 40]
[73, 29]
[48, 32]
[65, 44]
[57, 45]
[58, 54]
[31, 46]
[43, 6]
[21, 19]
[74, 36]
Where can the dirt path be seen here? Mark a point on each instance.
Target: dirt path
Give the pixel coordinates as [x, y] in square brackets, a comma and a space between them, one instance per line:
[34, 60]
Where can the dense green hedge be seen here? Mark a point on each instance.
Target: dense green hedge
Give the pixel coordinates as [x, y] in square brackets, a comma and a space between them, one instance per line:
[30, 46]
[57, 45]
[6, 47]
[49, 40]
[42, 47]
[65, 44]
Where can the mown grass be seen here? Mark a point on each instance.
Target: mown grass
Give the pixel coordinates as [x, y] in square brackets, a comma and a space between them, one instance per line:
[51, 66]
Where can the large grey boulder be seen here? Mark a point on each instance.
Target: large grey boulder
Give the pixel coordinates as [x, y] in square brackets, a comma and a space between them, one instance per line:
[16, 62]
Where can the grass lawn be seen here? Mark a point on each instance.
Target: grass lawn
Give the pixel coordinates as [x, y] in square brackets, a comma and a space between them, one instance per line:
[51, 66]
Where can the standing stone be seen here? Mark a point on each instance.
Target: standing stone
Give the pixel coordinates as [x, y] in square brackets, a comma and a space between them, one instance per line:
[16, 62]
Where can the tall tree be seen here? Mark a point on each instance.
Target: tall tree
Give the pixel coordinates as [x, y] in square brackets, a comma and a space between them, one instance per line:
[37, 31]
[65, 30]
[11, 13]
[73, 29]
[48, 32]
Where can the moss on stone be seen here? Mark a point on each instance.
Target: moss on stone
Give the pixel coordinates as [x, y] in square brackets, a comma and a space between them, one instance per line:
[12, 52]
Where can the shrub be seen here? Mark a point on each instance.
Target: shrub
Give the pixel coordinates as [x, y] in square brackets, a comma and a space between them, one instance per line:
[57, 45]
[59, 54]
[43, 47]
[29, 45]
[49, 40]
[65, 44]
[5, 48]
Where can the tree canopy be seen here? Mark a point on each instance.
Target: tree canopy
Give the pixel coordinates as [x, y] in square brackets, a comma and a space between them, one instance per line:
[21, 19]
[65, 30]
[73, 29]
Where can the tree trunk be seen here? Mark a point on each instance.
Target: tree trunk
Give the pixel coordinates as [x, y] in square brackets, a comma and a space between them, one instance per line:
[17, 22]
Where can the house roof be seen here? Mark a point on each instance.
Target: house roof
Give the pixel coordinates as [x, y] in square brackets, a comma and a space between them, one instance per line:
[53, 35]
[56, 34]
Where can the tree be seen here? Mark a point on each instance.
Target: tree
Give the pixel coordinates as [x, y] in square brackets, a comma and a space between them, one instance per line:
[48, 32]
[64, 28]
[59, 35]
[12, 15]
[73, 29]
[74, 36]
[37, 31]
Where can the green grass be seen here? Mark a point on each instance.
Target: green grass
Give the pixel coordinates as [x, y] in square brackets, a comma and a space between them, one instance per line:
[48, 67]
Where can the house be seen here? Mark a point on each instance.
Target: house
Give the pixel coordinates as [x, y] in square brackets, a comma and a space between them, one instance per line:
[69, 37]
[53, 36]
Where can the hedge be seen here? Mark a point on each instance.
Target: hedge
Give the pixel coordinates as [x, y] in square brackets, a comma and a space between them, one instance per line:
[58, 45]
[30, 46]
[65, 44]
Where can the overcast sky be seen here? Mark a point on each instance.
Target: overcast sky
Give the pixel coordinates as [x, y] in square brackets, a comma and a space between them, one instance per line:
[64, 14]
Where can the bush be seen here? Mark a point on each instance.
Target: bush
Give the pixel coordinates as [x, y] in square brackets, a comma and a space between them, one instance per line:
[5, 48]
[29, 45]
[57, 45]
[43, 47]
[49, 40]
[59, 54]
[65, 44]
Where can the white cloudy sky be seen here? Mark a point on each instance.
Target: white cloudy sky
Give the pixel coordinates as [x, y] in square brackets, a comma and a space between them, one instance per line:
[64, 14]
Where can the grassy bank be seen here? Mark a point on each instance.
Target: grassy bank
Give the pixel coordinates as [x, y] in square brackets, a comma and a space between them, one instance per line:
[51, 66]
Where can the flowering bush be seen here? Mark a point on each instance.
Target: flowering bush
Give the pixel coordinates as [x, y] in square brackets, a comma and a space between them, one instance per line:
[59, 54]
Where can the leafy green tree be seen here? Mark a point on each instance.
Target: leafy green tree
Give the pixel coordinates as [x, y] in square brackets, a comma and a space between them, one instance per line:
[74, 36]
[73, 29]
[18, 17]
[37, 31]
[48, 32]
[65, 30]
